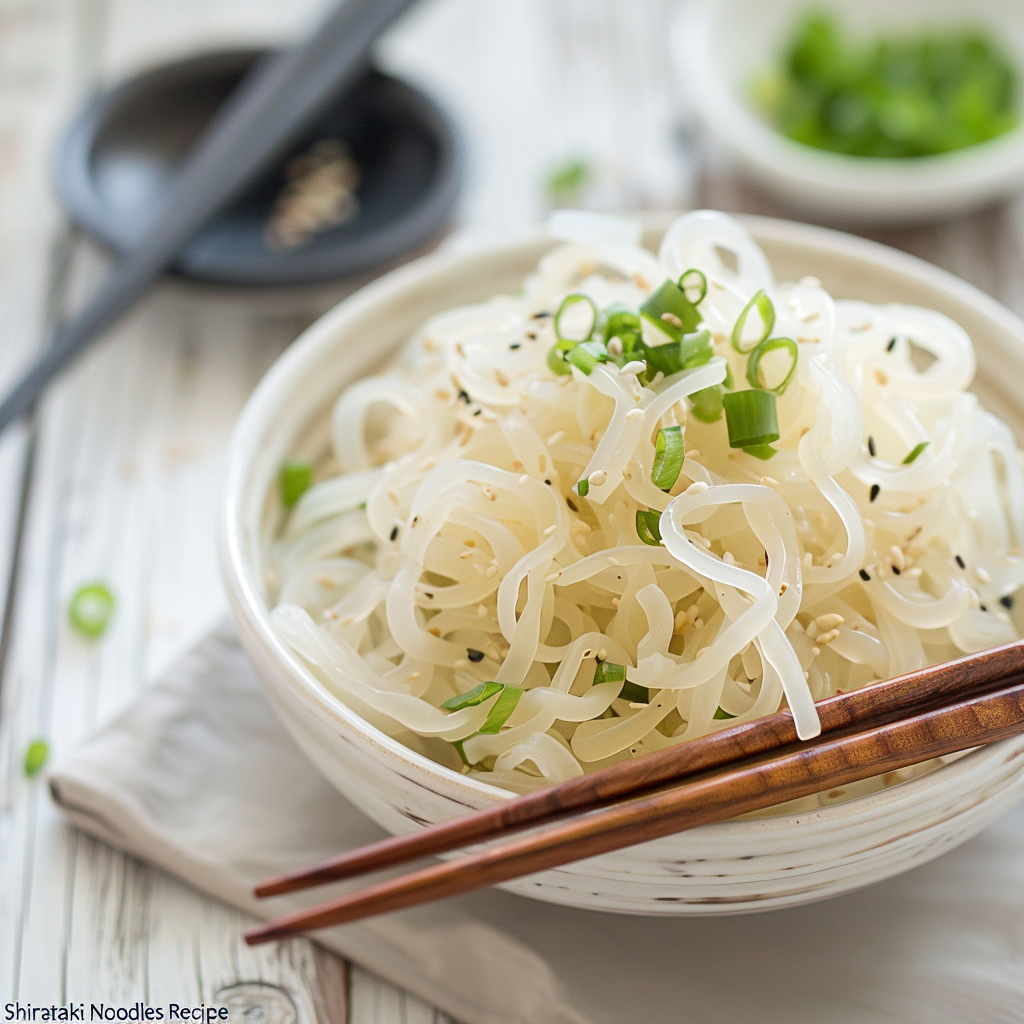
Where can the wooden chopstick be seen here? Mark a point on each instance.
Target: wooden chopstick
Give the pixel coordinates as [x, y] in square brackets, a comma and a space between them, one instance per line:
[872, 704]
[797, 772]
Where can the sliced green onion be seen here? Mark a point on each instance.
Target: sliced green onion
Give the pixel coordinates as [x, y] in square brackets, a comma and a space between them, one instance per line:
[915, 451]
[90, 610]
[471, 698]
[671, 311]
[648, 527]
[566, 339]
[694, 280]
[751, 417]
[707, 404]
[583, 487]
[760, 351]
[587, 355]
[609, 672]
[669, 451]
[761, 451]
[623, 323]
[721, 715]
[461, 751]
[728, 383]
[635, 694]
[296, 479]
[503, 707]
[766, 310]
[556, 361]
[36, 756]
[696, 349]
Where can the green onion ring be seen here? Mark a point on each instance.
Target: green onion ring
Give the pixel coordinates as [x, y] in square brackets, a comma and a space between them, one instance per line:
[568, 302]
[687, 286]
[669, 452]
[648, 527]
[754, 363]
[767, 311]
[90, 610]
[751, 418]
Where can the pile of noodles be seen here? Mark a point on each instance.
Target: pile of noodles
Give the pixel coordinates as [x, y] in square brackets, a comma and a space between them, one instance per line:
[447, 544]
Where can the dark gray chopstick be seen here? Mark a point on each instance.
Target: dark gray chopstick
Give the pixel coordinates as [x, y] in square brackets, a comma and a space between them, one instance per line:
[272, 106]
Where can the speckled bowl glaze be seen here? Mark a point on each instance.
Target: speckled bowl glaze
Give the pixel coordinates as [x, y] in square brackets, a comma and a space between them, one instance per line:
[728, 868]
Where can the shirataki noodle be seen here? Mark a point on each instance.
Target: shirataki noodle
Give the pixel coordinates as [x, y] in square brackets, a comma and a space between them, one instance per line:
[490, 514]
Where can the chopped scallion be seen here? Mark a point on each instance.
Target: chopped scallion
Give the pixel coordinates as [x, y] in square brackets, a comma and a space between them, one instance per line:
[569, 327]
[35, 757]
[761, 451]
[765, 310]
[587, 355]
[648, 527]
[623, 323]
[635, 694]
[693, 281]
[583, 487]
[915, 451]
[669, 452]
[503, 707]
[721, 715]
[668, 309]
[556, 361]
[609, 672]
[751, 417]
[754, 374]
[707, 404]
[471, 698]
[296, 479]
[90, 609]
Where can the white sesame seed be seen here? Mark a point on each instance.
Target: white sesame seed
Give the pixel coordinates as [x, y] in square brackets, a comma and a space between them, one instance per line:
[525, 478]
[768, 481]
[603, 654]
[898, 558]
[481, 610]
[697, 487]
[635, 414]
[491, 570]
[982, 575]
[615, 347]
[551, 579]
[550, 530]
[829, 621]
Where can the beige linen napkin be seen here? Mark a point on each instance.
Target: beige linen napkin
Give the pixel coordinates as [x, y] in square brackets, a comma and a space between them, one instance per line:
[198, 778]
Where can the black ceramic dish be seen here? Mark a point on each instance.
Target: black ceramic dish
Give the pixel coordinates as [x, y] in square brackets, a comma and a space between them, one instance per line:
[119, 154]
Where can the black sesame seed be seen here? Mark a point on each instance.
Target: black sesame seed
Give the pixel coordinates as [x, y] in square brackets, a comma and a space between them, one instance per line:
[960, 562]
[474, 655]
[871, 446]
[548, 482]
[864, 575]
[394, 533]
[541, 315]
[464, 395]
[476, 412]
[531, 335]
[984, 608]
[515, 345]
[896, 569]
[1006, 602]
[571, 505]
[875, 491]
[891, 345]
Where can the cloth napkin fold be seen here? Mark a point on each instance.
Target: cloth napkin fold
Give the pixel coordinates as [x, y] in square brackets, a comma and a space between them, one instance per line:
[198, 778]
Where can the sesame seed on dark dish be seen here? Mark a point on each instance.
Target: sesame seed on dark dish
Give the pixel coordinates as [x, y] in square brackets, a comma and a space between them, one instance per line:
[875, 491]
[960, 562]
[891, 345]
[864, 575]
[474, 655]
[394, 533]
[871, 446]
[1007, 601]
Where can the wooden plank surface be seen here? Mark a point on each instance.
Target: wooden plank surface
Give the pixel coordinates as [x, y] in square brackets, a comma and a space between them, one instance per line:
[126, 454]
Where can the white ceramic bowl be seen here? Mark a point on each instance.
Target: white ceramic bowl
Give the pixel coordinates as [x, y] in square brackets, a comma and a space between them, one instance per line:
[732, 867]
[718, 45]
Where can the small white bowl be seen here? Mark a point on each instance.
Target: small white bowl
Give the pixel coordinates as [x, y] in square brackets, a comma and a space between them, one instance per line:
[732, 867]
[719, 45]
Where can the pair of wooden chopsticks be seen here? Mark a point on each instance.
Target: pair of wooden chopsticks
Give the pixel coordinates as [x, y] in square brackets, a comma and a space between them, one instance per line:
[889, 725]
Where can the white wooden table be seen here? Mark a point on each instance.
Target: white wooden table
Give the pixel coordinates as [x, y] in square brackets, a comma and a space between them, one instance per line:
[117, 475]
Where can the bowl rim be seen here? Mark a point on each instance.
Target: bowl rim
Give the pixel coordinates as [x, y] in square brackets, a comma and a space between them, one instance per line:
[980, 169]
[287, 372]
